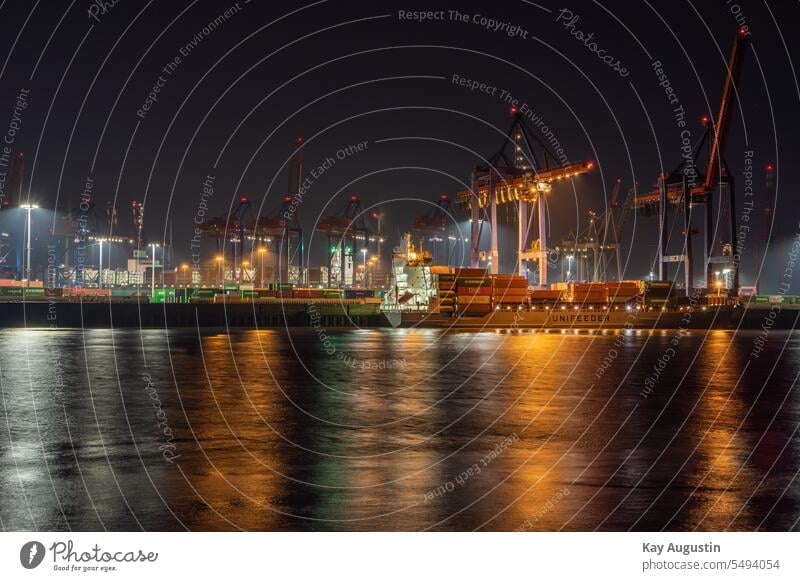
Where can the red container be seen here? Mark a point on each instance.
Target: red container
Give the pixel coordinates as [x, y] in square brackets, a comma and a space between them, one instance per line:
[546, 294]
[471, 272]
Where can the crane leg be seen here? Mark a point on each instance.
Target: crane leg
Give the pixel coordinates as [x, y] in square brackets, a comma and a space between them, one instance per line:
[475, 231]
[522, 221]
[495, 254]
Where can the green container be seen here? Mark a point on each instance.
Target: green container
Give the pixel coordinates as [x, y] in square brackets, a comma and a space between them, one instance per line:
[163, 295]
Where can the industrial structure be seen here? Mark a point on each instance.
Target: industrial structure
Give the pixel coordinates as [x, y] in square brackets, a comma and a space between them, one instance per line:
[688, 185]
[521, 172]
[594, 248]
[262, 259]
[348, 238]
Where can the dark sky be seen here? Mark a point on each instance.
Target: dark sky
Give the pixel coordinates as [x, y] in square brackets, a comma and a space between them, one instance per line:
[340, 73]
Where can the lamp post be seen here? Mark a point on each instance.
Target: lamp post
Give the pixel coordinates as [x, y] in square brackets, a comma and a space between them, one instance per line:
[28, 208]
[262, 251]
[153, 245]
[364, 267]
[373, 261]
[100, 266]
[220, 258]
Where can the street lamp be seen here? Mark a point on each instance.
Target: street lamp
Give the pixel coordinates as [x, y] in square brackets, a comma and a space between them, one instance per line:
[100, 266]
[364, 258]
[28, 208]
[262, 251]
[220, 260]
[153, 245]
[184, 268]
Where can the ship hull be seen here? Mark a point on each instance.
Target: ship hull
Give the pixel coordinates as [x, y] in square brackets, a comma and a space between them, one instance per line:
[711, 318]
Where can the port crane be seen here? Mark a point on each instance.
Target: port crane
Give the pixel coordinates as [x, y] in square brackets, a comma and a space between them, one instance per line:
[686, 186]
[281, 231]
[434, 224]
[347, 235]
[600, 240]
[522, 177]
[230, 229]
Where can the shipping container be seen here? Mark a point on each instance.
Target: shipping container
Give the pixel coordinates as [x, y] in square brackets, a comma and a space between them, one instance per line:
[545, 294]
[474, 300]
[467, 282]
[471, 272]
[474, 290]
[357, 293]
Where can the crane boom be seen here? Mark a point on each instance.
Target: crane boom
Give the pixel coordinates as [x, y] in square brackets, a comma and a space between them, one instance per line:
[722, 127]
[518, 188]
[673, 184]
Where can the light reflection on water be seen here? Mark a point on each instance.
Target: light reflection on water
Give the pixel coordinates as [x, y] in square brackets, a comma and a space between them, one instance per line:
[396, 429]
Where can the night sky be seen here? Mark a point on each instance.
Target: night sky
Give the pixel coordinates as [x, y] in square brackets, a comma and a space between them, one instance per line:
[251, 80]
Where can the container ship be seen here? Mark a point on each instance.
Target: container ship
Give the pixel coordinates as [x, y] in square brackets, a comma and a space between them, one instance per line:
[474, 299]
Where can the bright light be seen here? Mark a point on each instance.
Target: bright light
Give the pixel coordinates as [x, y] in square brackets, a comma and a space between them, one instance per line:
[29, 207]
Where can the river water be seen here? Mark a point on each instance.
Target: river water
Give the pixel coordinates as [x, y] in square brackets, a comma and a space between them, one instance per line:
[395, 429]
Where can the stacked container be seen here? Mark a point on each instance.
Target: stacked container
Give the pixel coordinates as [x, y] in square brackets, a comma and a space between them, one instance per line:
[473, 291]
[510, 290]
[590, 293]
[446, 292]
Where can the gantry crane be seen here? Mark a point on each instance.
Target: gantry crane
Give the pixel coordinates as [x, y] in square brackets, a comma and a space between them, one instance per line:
[281, 231]
[599, 241]
[687, 186]
[434, 224]
[348, 235]
[521, 178]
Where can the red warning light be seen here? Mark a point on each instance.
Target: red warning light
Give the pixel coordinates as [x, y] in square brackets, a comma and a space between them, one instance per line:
[244, 200]
[443, 197]
[287, 199]
[299, 140]
[353, 198]
[743, 31]
[770, 167]
[589, 164]
[705, 120]
[619, 180]
[514, 110]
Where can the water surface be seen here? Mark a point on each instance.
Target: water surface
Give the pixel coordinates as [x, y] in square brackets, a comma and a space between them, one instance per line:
[393, 429]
